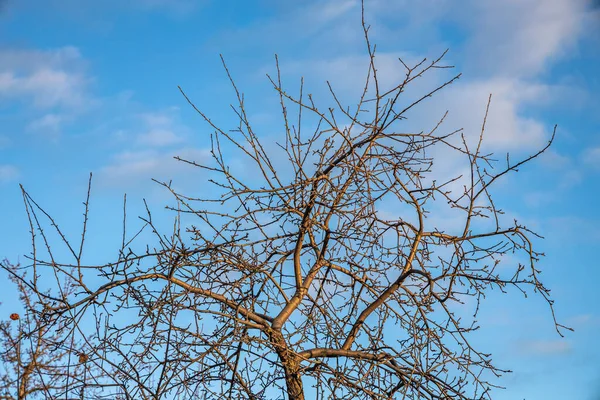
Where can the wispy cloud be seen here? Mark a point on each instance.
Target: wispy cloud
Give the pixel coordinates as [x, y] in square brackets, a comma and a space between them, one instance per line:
[507, 126]
[135, 169]
[520, 37]
[556, 161]
[48, 125]
[347, 73]
[546, 347]
[44, 78]
[158, 137]
[8, 173]
[160, 129]
[509, 44]
[50, 86]
[329, 22]
[591, 158]
[582, 320]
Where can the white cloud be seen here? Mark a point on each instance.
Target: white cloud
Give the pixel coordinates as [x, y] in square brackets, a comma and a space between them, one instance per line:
[507, 126]
[519, 37]
[49, 123]
[156, 118]
[332, 23]
[515, 38]
[132, 169]
[8, 173]
[546, 347]
[591, 158]
[44, 78]
[148, 130]
[554, 160]
[508, 44]
[347, 73]
[160, 129]
[581, 320]
[335, 9]
[507, 48]
[158, 138]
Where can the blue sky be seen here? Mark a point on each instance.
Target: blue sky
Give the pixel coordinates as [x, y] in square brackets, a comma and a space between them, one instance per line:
[92, 87]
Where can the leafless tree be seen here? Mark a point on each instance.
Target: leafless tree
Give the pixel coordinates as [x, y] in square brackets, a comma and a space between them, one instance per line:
[313, 273]
[39, 360]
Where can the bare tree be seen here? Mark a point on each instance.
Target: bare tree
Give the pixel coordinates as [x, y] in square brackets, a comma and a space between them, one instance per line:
[313, 273]
[40, 360]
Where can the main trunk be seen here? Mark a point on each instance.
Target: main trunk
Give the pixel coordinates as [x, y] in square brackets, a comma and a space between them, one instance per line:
[290, 363]
[293, 380]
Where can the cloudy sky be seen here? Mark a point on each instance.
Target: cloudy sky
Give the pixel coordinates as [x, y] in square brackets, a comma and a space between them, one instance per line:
[92, 87]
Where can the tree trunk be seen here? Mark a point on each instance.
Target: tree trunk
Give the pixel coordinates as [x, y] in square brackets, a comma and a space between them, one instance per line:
[24, 384]
[290, 363]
